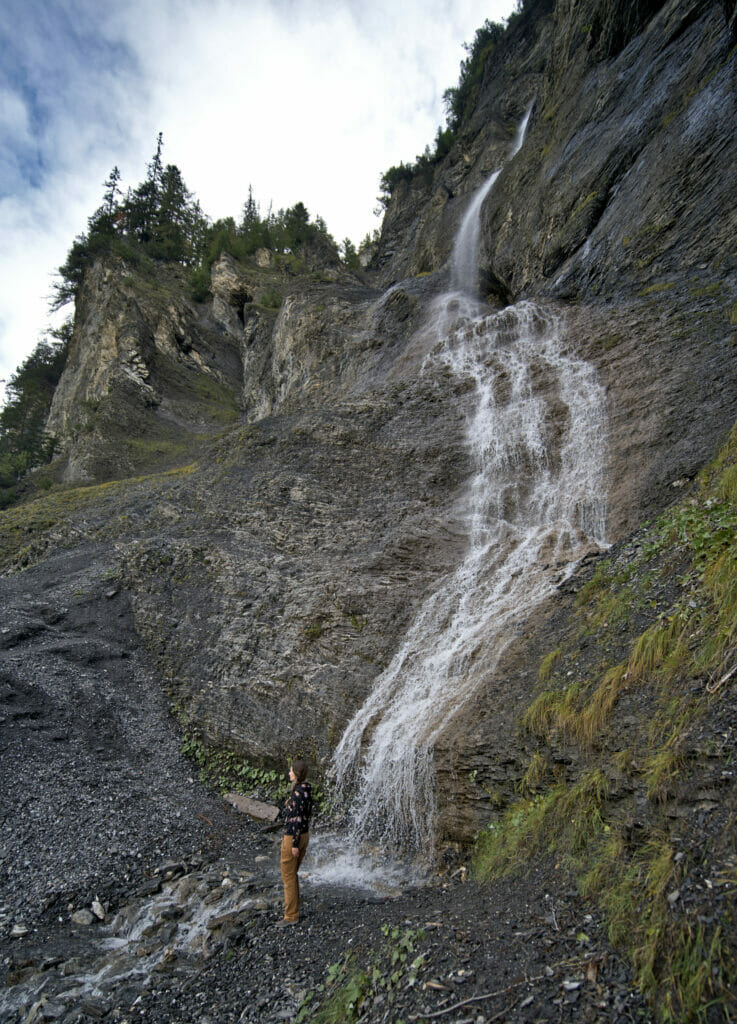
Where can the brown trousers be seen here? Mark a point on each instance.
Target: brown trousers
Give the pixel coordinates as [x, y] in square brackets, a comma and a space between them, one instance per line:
[289, 868]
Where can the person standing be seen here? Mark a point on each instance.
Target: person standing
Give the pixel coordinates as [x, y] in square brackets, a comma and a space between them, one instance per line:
[297, 814]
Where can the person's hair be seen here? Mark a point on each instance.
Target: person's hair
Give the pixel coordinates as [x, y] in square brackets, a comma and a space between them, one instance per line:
[300, 769]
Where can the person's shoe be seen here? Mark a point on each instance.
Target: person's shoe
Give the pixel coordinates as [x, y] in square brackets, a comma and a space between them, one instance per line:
[284, 923]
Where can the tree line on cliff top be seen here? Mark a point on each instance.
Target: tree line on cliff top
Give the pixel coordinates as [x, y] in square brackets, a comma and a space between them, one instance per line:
[458, 100]
[161, 221]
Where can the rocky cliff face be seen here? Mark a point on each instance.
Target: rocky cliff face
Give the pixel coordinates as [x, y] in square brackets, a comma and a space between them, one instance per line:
[147, 377]
[326, 469]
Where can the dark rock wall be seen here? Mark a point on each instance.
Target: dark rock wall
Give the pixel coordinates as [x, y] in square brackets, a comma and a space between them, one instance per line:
[619, 205]
[619, 208]
[625, 176]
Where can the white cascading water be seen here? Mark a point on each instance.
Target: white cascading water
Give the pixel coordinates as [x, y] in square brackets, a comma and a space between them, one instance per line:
[535, 505]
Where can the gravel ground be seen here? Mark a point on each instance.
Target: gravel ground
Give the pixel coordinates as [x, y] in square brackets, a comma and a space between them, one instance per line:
[101, 817]
[510, 951]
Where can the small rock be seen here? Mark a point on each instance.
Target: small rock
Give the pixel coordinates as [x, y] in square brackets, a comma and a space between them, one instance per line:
[70, 967]
[19, 975]
[149, 888]
[51, 961]
[95, 1010]
[98, 910]
[255, 808]
[673, 897]
[45, 1010]
[83, 917]
[34, 1014]
[172, 869]
[19, 930]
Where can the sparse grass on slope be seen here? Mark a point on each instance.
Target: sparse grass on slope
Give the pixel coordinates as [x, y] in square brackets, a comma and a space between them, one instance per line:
[643, 812]
[27, 530]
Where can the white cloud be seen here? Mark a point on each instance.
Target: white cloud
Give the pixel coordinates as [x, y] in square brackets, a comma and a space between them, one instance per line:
[305, 100]
[14, 116]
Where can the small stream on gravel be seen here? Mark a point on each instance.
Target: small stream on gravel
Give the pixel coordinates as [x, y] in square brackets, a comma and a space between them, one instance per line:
[184, 913]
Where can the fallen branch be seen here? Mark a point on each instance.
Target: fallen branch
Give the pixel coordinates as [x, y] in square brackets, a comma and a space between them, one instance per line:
[713, 685]
[499, 992]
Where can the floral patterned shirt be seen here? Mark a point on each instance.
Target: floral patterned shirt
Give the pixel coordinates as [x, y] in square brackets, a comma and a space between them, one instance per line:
[298, 811]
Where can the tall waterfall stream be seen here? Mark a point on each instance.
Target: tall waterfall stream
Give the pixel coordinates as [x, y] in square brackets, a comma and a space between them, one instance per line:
[534, 505]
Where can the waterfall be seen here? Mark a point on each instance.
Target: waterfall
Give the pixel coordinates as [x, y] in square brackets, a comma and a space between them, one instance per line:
[464, 260]
[534, 505]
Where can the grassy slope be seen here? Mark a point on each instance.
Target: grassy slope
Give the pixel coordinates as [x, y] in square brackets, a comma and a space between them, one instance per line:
[631, 752]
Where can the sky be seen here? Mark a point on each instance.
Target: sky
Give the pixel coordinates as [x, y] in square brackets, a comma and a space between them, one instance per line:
[305, 100]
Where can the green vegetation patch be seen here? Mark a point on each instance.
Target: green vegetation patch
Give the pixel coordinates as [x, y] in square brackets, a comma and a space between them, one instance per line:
[223, 768]
[24, 442]
[612, 597]
[219, 399]
[546, 665]
[704, 291]
[314, 629]
[655, 289]
[583, 203]
[271, 298]
[562, 819]
[351, 993]
[226, 770]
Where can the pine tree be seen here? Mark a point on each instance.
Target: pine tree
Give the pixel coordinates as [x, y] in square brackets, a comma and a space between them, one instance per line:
[170, 230]
[350, 256]
[112, 191]
[142, 204]
[155, 167]
[250, 212]
[23, 439]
